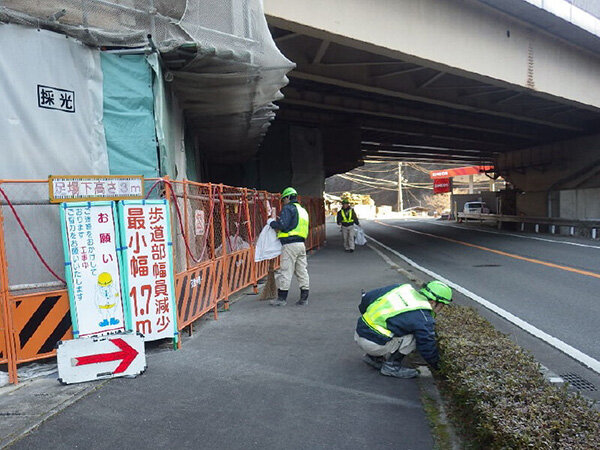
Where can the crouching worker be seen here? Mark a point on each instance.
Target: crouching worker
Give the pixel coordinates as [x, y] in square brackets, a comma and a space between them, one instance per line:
[395, 321]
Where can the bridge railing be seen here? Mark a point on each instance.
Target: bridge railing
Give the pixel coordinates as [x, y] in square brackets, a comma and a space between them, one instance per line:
[215, 228]
[552, 225]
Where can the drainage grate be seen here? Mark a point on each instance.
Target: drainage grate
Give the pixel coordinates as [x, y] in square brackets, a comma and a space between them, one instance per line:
[487, 265]
[578, 383]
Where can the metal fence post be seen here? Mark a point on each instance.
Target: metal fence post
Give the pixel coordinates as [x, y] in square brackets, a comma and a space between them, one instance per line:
[11, 352]
[224, 252]
[186, 220]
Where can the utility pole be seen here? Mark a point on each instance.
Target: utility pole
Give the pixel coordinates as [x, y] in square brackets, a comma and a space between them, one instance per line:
[400, 199]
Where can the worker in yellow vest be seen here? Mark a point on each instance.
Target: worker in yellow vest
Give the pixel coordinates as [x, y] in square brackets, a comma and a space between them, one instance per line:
[292, 230]
[395, 321]
[346, 218]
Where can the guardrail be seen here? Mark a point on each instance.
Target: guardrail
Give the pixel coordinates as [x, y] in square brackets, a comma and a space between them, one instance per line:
[551, 224]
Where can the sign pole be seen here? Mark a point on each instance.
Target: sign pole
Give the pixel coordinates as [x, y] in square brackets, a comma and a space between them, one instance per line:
[400, 199]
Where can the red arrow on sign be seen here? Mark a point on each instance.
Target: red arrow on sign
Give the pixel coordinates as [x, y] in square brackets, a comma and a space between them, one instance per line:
[127, 354]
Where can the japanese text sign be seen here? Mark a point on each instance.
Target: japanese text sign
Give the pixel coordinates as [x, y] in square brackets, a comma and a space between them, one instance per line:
[90, 243]
[68, 189]
[148, 265]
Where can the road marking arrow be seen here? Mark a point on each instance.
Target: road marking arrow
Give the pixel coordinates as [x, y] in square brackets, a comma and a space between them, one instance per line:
[127, 354]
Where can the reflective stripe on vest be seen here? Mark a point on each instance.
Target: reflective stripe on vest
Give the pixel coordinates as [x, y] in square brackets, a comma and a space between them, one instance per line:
[348, 219]
[302, 227]
[397, 301]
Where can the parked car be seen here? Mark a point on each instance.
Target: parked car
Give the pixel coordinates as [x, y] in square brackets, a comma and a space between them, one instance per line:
[476, 208]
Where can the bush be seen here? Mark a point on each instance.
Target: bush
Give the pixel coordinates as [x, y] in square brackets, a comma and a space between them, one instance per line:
[498, 391]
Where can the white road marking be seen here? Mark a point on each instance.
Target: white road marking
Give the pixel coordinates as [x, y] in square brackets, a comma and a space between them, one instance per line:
[513, 235]
[584, 359]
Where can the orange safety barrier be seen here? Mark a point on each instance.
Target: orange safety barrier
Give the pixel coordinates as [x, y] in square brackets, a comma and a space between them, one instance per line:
[195, 293]
[39, 321]
[214, 229]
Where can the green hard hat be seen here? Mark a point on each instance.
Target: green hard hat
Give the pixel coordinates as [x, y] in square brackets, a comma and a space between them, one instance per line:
[288, 191]
[437, 291]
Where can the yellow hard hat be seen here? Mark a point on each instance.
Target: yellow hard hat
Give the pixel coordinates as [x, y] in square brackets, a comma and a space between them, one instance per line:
[104, 279]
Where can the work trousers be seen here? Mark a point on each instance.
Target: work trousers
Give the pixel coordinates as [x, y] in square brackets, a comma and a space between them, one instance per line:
[403, 344]
[293, 261]
[348, 236]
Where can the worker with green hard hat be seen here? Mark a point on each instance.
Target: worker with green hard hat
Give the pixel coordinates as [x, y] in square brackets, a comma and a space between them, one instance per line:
[292, 230]
[346, 219]
[395, 320]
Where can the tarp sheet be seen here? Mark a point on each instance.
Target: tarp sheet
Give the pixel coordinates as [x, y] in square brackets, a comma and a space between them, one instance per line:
[169, 125]
[51, 103]
[129, 115]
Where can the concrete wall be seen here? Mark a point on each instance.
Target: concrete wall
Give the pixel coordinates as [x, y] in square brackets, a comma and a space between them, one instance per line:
[568, 164]
[456, 36]
[534, 204]
[580, 204]
[571, 168]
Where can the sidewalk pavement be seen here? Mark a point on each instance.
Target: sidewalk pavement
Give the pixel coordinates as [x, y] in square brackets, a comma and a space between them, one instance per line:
[260, 377]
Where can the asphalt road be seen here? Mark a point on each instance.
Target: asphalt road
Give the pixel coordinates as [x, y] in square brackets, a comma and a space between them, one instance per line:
[549, 282]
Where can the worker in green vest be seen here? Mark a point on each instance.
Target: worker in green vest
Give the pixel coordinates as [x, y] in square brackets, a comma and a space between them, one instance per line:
[398, 319]
[346, 218]
[292, 230]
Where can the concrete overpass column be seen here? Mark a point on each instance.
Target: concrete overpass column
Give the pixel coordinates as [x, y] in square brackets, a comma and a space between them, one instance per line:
[292, 155]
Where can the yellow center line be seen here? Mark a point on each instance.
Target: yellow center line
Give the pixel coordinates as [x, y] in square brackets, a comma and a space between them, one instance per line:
[498, 252]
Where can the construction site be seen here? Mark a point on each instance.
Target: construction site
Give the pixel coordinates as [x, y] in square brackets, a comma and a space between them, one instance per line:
[218, 217]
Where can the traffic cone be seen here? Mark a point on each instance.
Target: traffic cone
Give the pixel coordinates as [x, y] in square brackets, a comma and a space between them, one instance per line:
[269, 290]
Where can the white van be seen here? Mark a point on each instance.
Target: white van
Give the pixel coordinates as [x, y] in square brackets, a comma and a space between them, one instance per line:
[476, 208]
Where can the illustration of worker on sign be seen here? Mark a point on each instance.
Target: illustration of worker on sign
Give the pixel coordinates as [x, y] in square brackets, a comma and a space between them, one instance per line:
[107, 299]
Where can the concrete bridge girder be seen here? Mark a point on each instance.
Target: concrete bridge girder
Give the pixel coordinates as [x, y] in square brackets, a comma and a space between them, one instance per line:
[454, 81]
[459, 37]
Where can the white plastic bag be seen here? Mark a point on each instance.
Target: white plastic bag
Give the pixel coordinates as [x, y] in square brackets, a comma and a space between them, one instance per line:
[267, 244]
[359, 236]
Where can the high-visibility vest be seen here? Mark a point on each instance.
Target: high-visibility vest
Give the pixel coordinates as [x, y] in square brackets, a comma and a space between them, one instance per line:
[302, 227]
[348, 219]
[397, 301]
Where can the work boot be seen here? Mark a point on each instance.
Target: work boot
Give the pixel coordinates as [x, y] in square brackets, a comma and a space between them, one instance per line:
[281, 299]
[374, 361]
[303, 297]
[396, 370]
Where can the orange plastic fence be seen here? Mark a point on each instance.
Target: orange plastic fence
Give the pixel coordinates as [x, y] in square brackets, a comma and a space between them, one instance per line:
[215, 228]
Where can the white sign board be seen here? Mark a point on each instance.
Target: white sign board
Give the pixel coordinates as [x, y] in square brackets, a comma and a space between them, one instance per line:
[97, 358]
[92, 268]
[199, 221]
[65, 189]
[148, 265]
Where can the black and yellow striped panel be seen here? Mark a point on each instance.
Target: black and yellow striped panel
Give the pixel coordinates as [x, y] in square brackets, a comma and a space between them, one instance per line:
[220, 280]
[40, 321]
[240, 270]
[194, 293]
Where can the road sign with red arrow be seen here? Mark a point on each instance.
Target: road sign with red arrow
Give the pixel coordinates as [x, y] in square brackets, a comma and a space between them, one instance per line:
[96, 358]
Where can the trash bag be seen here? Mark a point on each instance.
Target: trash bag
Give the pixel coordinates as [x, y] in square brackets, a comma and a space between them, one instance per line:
[267, 244]
[359, 236]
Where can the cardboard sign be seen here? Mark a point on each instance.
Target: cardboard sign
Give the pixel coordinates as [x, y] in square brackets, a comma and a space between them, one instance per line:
[97, 358]
[148, 267]
[199, 222]
[90, 243]
[115, 187]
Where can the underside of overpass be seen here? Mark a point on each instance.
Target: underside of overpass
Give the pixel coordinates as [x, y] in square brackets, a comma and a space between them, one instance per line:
[367, 101]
